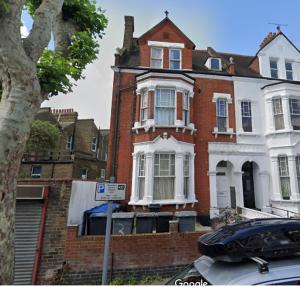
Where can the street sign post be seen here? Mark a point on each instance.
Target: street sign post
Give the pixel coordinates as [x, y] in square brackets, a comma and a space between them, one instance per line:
[108, 192]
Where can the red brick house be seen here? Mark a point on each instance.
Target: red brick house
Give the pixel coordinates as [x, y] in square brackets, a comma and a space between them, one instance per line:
[169, 101]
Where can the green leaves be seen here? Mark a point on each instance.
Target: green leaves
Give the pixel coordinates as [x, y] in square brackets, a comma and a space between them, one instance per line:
[58, 73]
[54, 72]
[4, 7]
[86, 15]
[43, 136]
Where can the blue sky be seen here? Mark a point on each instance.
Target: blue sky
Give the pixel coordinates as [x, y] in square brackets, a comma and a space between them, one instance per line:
[235, 26]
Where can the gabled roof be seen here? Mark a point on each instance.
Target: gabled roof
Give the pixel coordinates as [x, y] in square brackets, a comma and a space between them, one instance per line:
[166, 20]
[270, 38]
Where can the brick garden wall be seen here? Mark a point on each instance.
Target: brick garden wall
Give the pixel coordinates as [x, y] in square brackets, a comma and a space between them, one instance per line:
[133, 255]
[52, 253]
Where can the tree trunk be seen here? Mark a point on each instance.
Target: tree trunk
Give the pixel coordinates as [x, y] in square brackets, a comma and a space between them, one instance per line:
[19, 102]
[16, 116]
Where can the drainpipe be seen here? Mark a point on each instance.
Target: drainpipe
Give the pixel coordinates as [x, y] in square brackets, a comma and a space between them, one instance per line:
[116, 129]
[40, 236]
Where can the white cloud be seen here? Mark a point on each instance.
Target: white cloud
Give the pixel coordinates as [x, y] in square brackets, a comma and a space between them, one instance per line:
[24, 31]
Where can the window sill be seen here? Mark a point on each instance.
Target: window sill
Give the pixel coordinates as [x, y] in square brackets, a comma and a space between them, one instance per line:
[285, 131]
[246, 134]
[153, 126]
[229, 132]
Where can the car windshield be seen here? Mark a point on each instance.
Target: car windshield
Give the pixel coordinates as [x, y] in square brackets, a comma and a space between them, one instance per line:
[188, 275]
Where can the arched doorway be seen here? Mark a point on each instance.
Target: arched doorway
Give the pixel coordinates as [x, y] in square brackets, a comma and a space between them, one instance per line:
[248, 169]
[224, 177]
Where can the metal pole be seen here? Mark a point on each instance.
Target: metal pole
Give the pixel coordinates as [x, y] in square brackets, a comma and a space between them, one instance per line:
[106, 244]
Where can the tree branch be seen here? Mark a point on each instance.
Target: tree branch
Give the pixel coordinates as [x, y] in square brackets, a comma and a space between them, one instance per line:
[40, 34]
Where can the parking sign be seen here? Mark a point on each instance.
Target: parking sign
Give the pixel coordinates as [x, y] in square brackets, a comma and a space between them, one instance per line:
[110, 191]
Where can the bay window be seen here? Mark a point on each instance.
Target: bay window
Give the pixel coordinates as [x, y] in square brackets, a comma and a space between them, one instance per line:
[165, 107]
[284, 177]
[186, 175]
[222, 115]
[156, 58]
[144, 107]
[186, 110]
[175, 59]
[164, 176]
[298, 171]
[141, 176]
[278, 114]
[246, 116]
[295, 113]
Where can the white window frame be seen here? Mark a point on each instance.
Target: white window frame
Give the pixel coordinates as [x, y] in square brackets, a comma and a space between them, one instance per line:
[274, 69]
[185, 108]
[246, 114]
[297, 162]
[69, 143]
[222, 116]
[83, 175]
[141, 175]
[289, 71]
[156, 59]
[144, 107]
[156, 106]
[186, 176]
[171, 175]
[36, 175]
[220, 64]
[283, 169]
[175, 60]
[94, 144]
[294, 112]
[278, 112]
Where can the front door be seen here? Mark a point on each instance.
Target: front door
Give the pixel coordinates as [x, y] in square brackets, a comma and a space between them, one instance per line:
[222, 190]
[248, 185]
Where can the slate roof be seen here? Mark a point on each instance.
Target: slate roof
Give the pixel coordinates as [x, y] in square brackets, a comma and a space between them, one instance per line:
[131, 59]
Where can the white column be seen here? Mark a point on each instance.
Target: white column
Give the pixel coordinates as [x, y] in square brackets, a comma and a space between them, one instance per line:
[293, 178]
[264, 190]
[148, 195]
[275, 179]
[269, 116]
[179, 195]
[134, 197]
[192, 196]
[238, 183]
[286, 113]
[213, 194]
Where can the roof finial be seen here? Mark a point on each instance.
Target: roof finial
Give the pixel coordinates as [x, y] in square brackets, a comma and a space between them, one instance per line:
[167, 13]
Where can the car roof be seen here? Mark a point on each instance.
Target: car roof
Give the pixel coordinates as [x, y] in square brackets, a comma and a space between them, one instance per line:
[246, 272]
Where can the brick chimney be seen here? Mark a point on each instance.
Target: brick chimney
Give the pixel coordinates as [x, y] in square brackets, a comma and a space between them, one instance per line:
[128, 33]
[231, 66]
[267, 39]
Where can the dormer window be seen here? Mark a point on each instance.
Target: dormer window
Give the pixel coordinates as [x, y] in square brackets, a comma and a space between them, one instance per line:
[215, 64]
[175, 59]
[274, 68]
[156, 58]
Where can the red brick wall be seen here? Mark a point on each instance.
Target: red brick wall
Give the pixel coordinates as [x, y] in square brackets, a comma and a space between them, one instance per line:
[165, 33]
[85, 253]
[205, 120]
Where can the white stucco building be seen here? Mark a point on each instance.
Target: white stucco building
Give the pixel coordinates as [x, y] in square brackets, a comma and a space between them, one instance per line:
[262, 169]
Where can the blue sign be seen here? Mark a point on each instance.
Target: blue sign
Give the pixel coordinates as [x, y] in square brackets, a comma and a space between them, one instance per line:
[101, 188]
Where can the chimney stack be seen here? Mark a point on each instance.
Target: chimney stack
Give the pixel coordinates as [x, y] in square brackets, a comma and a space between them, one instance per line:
[231, 66]
[128, 33]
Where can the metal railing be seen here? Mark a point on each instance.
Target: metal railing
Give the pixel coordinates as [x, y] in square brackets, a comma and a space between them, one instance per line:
[48, 157]
[288, 212]
[253, 213]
